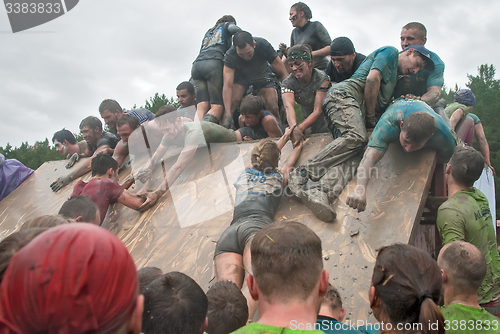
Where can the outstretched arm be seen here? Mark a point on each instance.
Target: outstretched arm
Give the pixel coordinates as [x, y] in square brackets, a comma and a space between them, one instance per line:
[83, 169]
[290, 162]
[357, 199]
[432, 96]
[227, 93]
[120, 153]
[371, 92]
[280, 68]
[131, 200]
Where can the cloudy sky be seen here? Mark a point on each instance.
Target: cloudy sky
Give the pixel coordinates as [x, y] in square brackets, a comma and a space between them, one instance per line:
[54, 75]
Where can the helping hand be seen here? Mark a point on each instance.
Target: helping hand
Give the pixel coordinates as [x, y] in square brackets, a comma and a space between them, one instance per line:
[357, 199]
[151, 199]
[60, 183]
[74, 158]
[143, 174]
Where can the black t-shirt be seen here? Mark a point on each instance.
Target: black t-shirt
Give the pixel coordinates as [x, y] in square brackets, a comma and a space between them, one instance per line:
[264, 55]
[314, 34]
[216, 42]
[107, 138]
[338, 77]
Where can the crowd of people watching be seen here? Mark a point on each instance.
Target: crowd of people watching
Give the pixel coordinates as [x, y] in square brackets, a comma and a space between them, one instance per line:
[66, 274]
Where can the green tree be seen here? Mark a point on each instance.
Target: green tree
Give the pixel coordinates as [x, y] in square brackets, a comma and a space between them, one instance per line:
[154, 103]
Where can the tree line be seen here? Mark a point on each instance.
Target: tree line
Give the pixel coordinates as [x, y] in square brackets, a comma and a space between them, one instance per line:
[484, 86]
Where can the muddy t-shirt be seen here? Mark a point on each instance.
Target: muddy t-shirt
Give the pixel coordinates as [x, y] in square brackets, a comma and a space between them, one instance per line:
[462, 319]
[339, 77]
[102, 192]
[388, 128]
[217, 41]
[107, 139]
[466, 217]
[257, 193]
[384, 60]
[264, 54]
[305, 95]
[314, 34]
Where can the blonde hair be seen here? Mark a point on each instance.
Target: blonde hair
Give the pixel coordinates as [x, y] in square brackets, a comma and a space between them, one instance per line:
[266, 155]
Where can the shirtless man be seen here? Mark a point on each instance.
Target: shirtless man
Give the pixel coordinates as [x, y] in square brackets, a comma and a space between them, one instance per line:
[65, 143]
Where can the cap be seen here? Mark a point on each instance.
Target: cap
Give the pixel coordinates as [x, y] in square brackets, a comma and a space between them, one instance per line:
[424, 52]
[465, 97]
[341, 46]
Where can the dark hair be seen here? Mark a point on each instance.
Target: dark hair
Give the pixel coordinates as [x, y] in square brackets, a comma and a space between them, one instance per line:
[227, 308]
[186, 85]
[466, 165]
[225, 18]
[101, 163]
[168, 113]
[286, 260]
[147, 275]
[252, 105]
[302, 7]
[91, 122]
[174, 304]
[465, 265]
[419, 126]
[110, 105]
[78, 206]
[44, 221]
[408, 283]
[265, 155]
[417, 26]
[242, 38]
[63, 135]
[332, 298]
[13, 243]
[132, 121]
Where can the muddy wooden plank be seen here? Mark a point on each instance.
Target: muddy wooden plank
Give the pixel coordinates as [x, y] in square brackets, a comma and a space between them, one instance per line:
[181, 230]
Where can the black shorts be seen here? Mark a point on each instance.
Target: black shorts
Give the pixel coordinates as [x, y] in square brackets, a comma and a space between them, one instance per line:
[235, 237]
[207, 80]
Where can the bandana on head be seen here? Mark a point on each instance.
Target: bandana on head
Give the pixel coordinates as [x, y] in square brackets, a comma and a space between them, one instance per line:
[74, 278]
[299, 56]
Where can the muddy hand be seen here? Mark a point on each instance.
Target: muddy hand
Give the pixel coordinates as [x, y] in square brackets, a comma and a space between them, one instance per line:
[74, 158]
[60, 183]
[227, 121]
[151, 199]
[357, 199]
[143, 174]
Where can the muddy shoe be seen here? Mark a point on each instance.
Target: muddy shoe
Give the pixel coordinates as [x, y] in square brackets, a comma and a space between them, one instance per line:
[317, 202]
[297, 179]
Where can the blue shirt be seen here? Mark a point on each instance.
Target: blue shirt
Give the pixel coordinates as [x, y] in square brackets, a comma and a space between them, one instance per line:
[141, 114]
[385, 60]
[388, 128]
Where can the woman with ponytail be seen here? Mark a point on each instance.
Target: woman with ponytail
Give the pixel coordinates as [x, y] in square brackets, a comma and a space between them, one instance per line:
[258, 192]
[406, 286]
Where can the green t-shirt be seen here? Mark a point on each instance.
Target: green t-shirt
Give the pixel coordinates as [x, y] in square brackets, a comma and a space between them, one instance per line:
[201, 133]
[297, 328]
[461, 319]
[466, 217]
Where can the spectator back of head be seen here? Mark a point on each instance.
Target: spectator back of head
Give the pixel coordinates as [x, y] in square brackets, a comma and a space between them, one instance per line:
[174, 304]
[81, 209]
[89, 284]
[465, 266]
[286, 261]
[13, 243]
[408, 283]
[227, 308]
[466, 165]
[44, 221]
[147, 275]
